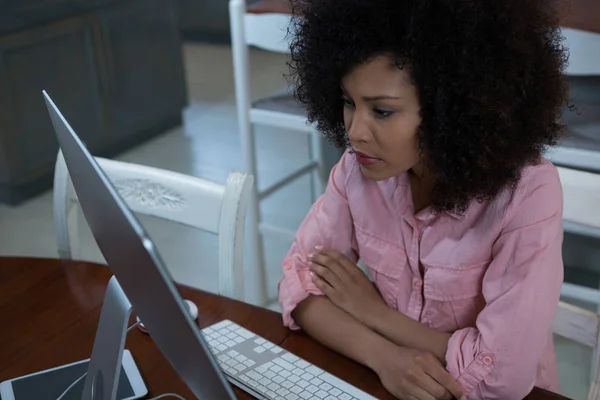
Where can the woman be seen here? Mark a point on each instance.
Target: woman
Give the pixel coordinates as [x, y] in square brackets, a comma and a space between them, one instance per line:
[446, 107]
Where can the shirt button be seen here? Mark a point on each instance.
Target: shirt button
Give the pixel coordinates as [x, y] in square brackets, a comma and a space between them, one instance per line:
[487, 360]
[417, 285]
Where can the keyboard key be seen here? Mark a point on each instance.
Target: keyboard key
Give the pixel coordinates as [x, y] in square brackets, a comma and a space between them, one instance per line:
[290, 357]
[221, 325]
[326, 387]
[314, 370]
[312, 388]
[259, 349]
[249, 363]
[345, 396]
[306, 376]
[335, 392]
[278, 379]
[276, 368]
[264, 381]
[316, 381]
[296, 389]
[321, 394]
[306, 395]
[302, 364]
[302, 383]
[273, 386]
[272, 394]
[254, 375]
[276, 349]
[269, 374]
[260, 341]
[262, 369]
[285, 374]
[291, 396]
[286, 384]
[284, 364]
[293, 378]
[282, 391]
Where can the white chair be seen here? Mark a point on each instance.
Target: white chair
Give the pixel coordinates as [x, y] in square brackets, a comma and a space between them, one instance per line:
[268, 31]
[583, 327]
[194, 202]
[581, 197]
[584, 61]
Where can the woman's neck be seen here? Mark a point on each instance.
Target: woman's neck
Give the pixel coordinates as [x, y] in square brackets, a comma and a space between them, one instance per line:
[421, 187]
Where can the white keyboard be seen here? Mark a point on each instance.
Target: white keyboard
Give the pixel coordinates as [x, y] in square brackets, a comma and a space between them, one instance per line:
[268, 370]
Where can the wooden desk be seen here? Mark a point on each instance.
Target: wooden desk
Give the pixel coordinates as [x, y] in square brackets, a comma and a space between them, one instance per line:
[49, 311]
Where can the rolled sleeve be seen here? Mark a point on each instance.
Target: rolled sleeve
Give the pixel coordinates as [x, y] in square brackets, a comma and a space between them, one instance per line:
[328, 224]
[499, 358]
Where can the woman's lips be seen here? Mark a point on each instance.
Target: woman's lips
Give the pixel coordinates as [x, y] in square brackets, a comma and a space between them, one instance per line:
[364, 159]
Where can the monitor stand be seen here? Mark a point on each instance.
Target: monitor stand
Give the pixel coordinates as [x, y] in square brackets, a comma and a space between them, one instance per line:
[102, 379]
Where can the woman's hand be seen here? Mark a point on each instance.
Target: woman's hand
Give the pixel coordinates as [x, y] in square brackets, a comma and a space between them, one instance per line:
[410, 374]
[344, 283]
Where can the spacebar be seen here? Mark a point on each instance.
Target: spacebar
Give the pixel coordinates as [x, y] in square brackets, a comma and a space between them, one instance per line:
[344, 386]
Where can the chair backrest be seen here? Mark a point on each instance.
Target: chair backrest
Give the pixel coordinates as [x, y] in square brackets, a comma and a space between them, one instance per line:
[581, 191]
[198, 203]
[584, 52]
[267, 31]
[583, 327]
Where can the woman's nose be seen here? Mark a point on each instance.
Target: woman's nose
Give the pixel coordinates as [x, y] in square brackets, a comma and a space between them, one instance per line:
[358, 130]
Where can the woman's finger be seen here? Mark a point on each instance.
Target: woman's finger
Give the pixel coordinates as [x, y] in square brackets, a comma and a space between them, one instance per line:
[329, 263]
[348, 265]
[418, 393]
[322, 285]
[440, 375]
[325, 274]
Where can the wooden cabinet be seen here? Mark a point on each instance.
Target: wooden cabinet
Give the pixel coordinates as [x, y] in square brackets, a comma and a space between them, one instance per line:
[60, 58]
[205, 20]
[144, 65]
[115, 72]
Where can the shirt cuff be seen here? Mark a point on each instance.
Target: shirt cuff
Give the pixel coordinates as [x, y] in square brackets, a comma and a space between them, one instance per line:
[466, 363]
[295, 286]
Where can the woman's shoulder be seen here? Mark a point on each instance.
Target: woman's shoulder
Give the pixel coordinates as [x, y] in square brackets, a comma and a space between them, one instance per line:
[538, 195]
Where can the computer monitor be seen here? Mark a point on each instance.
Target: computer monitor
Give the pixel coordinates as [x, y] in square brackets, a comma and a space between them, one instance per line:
[138, 267]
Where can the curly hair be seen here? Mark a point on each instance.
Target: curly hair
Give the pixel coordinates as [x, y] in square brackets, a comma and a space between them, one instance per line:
[489, 76]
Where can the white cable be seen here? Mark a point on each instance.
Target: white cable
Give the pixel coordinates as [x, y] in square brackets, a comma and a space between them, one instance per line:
[162, 396]
[84, 375]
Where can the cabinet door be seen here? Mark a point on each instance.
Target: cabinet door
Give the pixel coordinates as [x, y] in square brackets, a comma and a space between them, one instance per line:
[145, 68]
[206, 16]
[60, 59]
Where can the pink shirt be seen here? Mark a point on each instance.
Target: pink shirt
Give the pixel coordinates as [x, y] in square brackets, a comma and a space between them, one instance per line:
[492, 277]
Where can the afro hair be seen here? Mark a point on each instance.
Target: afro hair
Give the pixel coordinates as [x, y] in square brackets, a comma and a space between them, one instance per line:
[489, 75]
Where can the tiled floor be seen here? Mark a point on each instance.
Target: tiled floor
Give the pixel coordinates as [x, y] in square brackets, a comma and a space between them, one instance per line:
[207, 146]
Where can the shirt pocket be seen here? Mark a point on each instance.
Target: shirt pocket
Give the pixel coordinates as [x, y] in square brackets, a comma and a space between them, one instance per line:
[453, 296]
[385, 263]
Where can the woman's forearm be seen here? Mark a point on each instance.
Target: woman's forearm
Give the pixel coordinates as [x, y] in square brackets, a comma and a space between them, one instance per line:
[339, 331]
[406, 332]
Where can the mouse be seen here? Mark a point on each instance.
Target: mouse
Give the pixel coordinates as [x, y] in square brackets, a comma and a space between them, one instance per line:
[192, 309]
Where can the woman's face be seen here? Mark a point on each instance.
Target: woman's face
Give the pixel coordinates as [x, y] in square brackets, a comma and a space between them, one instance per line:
[381, 116]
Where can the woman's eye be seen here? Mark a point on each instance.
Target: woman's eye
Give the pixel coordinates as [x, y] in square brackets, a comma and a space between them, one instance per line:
[382, 113]
[347, 102]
